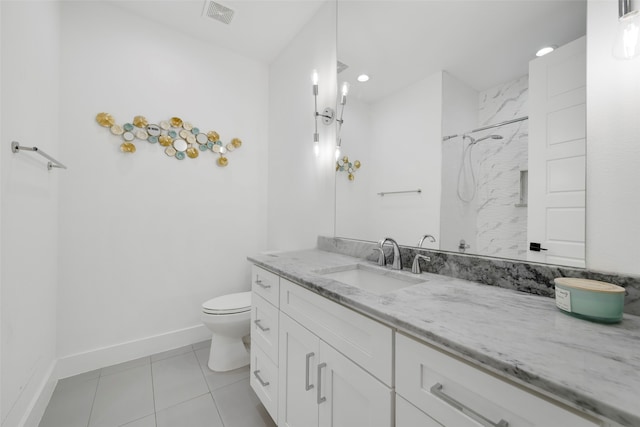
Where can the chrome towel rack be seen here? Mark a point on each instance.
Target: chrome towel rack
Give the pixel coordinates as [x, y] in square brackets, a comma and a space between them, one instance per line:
[52, 163]
[400, 192]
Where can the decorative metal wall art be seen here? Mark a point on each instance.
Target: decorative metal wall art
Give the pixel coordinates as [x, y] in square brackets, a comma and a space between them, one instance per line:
[344, 165]
[181, 139]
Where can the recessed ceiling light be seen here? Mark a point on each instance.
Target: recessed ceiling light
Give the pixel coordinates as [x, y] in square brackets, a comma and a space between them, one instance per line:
[545, 50]
[363, 78]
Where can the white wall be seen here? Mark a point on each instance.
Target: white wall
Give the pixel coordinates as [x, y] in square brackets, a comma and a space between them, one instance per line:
[146, 239]
[29, 217]
[301, 185]
[399, 151]
[459, 114]
[613, 148]
[353, 198]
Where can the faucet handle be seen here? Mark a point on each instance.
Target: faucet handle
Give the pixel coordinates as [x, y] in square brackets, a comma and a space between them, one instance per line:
[415, 268]
[381, 259]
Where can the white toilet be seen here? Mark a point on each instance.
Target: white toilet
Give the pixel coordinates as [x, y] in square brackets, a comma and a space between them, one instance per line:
[228, 317]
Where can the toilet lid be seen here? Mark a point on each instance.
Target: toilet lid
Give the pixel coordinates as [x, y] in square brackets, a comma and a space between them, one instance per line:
[228, 304]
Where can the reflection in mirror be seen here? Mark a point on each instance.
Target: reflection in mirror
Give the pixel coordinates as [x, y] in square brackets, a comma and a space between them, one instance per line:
[437, 71]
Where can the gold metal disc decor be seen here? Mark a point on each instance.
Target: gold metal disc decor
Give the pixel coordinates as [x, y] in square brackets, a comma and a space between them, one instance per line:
[180, 139]
[344, 165]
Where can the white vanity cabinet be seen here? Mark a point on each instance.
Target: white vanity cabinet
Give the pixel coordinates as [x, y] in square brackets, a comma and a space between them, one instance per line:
[319, 385]
[265, 288]
[453, 393]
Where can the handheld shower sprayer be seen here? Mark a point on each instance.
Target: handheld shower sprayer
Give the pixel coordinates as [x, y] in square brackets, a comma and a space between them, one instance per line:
[466, 158]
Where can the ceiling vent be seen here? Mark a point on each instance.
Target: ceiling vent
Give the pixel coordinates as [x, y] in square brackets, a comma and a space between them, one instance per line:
[342, 66]
[217, 11]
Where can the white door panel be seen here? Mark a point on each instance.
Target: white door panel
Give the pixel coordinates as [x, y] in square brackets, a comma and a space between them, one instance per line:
[557, 128]
[567, 124]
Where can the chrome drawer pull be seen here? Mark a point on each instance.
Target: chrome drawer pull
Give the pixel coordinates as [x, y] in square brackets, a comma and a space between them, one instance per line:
[262, 285]
[262, 328]
[308, 386]
[264, 383]
[320, 397]
[436, 390]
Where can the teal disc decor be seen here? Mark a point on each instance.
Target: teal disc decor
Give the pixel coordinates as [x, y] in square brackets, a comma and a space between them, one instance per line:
[178, 138]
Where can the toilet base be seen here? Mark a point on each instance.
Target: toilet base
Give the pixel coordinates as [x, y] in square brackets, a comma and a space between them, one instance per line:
[227, 353]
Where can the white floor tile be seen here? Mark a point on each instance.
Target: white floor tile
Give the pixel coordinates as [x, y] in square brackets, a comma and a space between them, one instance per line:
[70, 404]
[171, 353]
[198, 412]
[240, 407]
[149, 421]
[123, 397]
[177, 380]
[124, 366]
[77, 379]
[216, 380]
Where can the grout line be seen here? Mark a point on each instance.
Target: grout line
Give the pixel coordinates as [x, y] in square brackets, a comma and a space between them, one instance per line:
[94, 398]
[204, 375]
[153, 393]
[217, 409]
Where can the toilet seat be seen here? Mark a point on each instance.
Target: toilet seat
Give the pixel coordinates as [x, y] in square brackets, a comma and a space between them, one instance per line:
[228, 304]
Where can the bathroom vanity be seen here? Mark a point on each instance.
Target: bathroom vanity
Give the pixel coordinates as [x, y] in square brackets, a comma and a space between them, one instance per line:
[437, 351]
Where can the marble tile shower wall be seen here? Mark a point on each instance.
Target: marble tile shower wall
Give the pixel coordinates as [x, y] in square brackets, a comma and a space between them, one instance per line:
[501, 225]
[510, 274]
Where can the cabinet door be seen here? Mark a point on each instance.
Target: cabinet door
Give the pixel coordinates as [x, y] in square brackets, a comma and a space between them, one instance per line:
[348, 396]
[299, 351]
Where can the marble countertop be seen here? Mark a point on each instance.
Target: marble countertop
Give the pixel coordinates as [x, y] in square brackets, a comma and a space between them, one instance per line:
[524, 337]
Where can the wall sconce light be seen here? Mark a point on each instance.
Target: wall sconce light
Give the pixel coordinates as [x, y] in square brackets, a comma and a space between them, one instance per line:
[327, 114]
[627, 42]
[343, 101]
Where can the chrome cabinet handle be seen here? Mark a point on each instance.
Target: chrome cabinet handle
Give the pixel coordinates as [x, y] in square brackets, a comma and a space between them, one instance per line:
[308, 386]
[262, 328]
[263, 382]
[262, 285]
[436, 390]
[320, 397]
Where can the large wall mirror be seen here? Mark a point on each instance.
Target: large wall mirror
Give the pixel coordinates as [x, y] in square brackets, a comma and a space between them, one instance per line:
[462, 133]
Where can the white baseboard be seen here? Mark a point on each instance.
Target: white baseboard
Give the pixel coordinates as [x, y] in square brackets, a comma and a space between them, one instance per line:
[32, 413]
[39, 405]
[95, 359]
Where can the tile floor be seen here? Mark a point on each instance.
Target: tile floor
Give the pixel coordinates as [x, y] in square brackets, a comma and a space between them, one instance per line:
[170, 389]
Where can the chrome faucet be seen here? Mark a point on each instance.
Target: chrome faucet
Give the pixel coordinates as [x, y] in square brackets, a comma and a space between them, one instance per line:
[397, 260]
[415, 268]
[427, 237]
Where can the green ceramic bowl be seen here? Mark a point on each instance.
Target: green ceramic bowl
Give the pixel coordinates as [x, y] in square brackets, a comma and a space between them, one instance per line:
[590, 299]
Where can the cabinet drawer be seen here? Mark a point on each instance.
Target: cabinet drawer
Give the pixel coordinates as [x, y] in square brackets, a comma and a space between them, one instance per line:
[264, 380]
[264, 326]
[455, 393]
[363, 340]
[266, 284]
[408, 415]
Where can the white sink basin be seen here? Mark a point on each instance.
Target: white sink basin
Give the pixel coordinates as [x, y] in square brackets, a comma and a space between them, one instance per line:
[372, 279]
